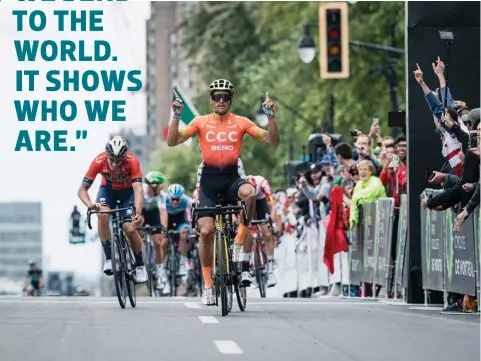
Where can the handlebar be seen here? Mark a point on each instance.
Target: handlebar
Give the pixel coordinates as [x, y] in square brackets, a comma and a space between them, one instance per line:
[218, 209]
[110, 211]
[262, 221]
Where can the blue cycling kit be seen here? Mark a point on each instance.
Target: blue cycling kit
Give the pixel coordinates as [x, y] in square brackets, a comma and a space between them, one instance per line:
[178, 215]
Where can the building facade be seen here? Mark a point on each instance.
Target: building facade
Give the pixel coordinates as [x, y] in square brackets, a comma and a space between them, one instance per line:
[20, 238]
[166, 65]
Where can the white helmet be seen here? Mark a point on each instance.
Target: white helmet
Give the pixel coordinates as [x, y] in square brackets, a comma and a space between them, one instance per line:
[117, 146]
[221, 84]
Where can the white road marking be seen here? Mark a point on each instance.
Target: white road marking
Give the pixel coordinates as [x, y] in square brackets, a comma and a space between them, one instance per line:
[426, 308]
[208, 319]
[191, 305]
[228, 347]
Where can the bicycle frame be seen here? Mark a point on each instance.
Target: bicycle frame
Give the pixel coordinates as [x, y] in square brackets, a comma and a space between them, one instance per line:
[222, 275]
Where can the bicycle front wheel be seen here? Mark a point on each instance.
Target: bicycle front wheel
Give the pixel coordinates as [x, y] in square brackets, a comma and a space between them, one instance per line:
[119, 276]
[220, 267]
[129, 274]
[259, 272]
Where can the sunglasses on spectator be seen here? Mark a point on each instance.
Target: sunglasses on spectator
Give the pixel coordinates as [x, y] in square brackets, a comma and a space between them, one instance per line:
[219, 97]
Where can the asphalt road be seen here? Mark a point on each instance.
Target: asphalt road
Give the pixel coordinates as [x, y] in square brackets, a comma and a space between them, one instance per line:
[275, 329]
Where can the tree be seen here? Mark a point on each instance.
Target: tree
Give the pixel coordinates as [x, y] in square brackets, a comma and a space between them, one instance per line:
[254, 45]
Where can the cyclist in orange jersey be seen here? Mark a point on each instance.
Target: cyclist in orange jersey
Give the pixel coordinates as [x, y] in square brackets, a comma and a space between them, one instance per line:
[220, 137]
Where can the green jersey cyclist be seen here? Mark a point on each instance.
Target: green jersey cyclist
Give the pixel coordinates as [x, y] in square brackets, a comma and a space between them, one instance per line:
[155, 214]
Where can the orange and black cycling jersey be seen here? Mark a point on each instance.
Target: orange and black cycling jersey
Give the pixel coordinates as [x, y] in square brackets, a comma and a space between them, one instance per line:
[121, 178]
[221, 138]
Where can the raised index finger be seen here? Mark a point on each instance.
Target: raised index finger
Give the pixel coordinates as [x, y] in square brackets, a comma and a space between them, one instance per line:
[418, 67]
[267, 96]
[175, 93]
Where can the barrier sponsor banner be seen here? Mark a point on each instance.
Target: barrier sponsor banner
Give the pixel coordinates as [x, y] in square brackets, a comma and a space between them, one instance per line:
[401, 242]
[303, 271]
[287, 268]
[314, 260]
[324, 277]
[432, 249]
[384, 214]
[355, 254]
[460, 262]
[477, 233]
[369, 224]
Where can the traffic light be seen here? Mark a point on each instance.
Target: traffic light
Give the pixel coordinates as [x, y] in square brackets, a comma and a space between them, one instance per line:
[334, 40]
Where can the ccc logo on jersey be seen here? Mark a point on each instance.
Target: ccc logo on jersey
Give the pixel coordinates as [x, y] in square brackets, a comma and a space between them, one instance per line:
[212, 137]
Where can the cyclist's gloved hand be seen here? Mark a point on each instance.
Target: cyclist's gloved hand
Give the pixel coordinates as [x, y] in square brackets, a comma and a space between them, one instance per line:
[96, 206]
[137, 219]
[268, 107]
[177, 105]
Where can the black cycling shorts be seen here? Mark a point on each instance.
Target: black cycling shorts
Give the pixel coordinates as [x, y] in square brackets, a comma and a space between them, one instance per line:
[152, 218]
[177, 221]
[262, 209]
[215, 181]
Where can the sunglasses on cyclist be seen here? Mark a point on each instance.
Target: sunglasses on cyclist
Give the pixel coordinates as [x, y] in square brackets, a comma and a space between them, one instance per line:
[175, 199]
[219, 97]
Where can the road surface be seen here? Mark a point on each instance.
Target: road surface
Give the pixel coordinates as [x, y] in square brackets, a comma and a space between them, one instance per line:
[275, 329]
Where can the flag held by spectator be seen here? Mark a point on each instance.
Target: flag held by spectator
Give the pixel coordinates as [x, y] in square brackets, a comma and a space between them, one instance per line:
[336, 238]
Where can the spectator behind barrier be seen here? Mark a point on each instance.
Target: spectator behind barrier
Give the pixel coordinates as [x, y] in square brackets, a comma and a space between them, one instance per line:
[369, 189]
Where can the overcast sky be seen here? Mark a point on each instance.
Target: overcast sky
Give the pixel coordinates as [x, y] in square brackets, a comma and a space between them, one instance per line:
[52, 178]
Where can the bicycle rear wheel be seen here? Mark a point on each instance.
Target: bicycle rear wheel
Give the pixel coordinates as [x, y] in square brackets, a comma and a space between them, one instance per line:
[129, 274]
[220, 266]
[117, 270]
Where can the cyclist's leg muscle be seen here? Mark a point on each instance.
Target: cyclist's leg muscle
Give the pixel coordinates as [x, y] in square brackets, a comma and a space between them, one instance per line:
[247, 193]
[133, 236]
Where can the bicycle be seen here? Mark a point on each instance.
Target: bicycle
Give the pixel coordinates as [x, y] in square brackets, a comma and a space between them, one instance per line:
[174, 261]
[224, 274]
[194, 282]
[124, 271]
[149, 256]
[260, 255]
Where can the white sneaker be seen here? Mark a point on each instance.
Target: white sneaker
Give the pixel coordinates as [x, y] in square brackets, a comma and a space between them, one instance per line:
[159, 284]
[108, 267]
[140, 274]
[208, 297]
[246, 279]
[271, 279]
[182, 269]
[166, 289]
[237, 253]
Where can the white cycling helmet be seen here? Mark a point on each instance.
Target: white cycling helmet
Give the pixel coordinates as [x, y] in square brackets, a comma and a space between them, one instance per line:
[221, 84]
[117, 146]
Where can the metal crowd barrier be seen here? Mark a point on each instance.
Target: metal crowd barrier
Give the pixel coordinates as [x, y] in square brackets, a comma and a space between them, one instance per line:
[450, 259]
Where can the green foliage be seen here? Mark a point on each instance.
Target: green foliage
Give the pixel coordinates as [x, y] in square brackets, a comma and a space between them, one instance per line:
[178, 164]
[254, 45]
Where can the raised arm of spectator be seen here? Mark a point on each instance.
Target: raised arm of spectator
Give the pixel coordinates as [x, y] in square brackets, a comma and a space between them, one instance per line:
[438, 68]
[385, 175]
[331, 153]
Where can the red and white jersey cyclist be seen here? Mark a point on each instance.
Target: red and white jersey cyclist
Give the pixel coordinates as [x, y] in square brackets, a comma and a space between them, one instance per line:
[262, 186]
